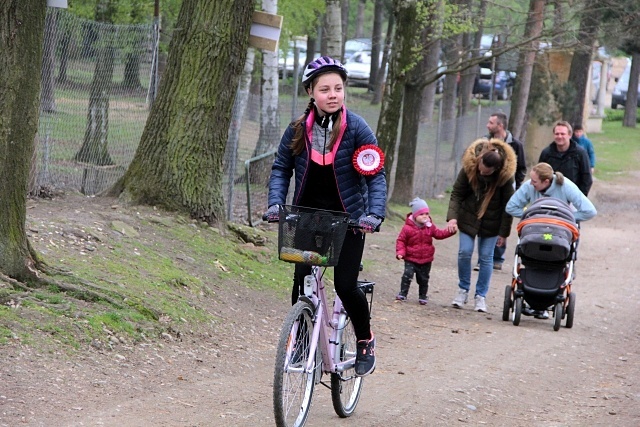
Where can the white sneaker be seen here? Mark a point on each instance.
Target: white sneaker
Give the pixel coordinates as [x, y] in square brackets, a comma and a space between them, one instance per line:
[481, 305]
[461, 298]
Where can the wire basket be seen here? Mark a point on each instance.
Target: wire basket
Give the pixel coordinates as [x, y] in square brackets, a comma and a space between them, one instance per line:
[311, 236]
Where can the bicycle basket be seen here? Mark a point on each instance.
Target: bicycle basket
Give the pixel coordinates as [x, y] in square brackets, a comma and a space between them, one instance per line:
[311, 236]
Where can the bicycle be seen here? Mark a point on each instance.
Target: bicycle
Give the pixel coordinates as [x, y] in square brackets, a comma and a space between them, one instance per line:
[314, 341]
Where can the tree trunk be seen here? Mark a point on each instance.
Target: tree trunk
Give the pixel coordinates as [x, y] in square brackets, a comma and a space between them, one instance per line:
[360, 18]
[178, 164]
[467, 77]
[47, 95]
[65, 41]
[432, 56]
[131, 79]
[21, 47]
[239, 107]
[270, 132]
[581, 62]
[403, 186]
[391, 109]
[450, 90]
[376, 41]
[332, 33]
[630, 107]
[379, 84]
[344, 19]
[532, 31]
[94, 149]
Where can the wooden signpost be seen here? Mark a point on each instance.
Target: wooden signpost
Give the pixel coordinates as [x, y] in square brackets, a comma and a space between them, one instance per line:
[265, 31]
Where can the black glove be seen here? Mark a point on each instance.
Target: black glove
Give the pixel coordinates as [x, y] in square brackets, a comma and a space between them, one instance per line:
[272, 214]
[370, 223]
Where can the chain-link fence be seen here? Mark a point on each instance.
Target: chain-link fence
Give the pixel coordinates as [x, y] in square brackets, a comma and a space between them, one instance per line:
[97, 83]
[96, 79]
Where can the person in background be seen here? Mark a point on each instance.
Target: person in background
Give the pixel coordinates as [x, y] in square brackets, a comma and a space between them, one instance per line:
[334, 158]
[477, 208]
[497, 127]
[414, 245]
[581, 138]
[567, 157]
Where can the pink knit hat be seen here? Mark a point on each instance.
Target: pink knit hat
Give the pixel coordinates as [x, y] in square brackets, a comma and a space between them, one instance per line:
[418, 207]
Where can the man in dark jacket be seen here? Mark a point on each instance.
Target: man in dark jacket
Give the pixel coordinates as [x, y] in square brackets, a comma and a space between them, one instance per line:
[566, 156]
[497, 127]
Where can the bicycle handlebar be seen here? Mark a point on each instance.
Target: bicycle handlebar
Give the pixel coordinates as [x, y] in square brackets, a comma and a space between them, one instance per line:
[352, 224]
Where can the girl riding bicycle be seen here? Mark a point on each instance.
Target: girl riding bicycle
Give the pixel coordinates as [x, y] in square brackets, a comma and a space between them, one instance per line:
[338, 166]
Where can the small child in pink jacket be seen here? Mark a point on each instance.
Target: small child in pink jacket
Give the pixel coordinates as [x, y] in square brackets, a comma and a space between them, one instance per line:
[415, 246]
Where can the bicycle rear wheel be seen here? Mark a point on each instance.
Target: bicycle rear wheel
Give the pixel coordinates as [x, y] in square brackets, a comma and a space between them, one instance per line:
[346, 386]
[292, 387]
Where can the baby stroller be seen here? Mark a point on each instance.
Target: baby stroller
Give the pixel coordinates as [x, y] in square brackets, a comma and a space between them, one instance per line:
[544, 263]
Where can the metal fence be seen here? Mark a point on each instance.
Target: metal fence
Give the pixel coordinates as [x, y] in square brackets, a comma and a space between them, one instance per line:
[97, 82]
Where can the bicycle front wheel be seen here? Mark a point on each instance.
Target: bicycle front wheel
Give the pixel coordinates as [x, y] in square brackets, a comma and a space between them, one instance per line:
[292, 386]
[345, 385]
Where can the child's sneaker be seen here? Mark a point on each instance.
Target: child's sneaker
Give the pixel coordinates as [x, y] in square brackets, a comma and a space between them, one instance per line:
[401, 297]
[423, 300]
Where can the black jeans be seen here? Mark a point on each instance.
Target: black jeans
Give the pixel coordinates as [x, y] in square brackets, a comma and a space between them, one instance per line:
[422, 277]
[345, 277]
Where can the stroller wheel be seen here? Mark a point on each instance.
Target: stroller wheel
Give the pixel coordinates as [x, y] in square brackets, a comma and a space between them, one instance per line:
[557, 315]
[508, 303]
[571, 306]
[517, 310]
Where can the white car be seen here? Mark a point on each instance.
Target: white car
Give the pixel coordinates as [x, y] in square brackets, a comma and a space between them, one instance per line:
[286, 62]
[359, 68]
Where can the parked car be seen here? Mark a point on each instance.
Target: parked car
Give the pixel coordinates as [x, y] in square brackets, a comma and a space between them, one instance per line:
[352, 46]
[503, 84]
[619, 94]
[359, 68]
[287, 62]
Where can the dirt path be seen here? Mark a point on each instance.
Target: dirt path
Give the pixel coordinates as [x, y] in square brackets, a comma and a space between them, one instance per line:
[437, 366]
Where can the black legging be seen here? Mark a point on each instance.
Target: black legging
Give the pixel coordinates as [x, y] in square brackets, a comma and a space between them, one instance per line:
[346, 283]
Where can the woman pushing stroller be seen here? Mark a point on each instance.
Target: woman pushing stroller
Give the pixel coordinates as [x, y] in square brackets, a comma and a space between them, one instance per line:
[545, 183]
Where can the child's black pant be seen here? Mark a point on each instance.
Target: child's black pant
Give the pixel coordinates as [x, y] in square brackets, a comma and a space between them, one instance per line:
[422, 277]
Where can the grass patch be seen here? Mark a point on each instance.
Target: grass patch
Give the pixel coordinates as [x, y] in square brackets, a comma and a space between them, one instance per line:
[617, 150]
[163, 280]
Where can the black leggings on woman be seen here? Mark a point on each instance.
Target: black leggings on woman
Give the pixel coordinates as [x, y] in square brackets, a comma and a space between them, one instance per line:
[345, 277]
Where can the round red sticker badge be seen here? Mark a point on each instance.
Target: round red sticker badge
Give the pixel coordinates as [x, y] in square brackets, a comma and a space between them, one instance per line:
[368, 159]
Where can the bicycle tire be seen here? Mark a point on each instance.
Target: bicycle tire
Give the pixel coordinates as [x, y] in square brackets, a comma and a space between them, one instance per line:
[292, 388]
[346, 386]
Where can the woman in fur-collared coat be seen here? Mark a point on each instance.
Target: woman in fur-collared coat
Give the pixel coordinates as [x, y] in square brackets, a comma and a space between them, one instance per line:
[477, 209]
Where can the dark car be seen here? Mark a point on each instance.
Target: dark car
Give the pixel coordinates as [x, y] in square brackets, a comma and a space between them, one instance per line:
[502, 88]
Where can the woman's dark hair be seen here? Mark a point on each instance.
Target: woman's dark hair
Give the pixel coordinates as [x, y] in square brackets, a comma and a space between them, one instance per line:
[492, 159]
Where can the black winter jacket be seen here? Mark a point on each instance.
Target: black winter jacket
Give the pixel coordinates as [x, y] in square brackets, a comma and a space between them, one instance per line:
[465, 201]
[573, 163]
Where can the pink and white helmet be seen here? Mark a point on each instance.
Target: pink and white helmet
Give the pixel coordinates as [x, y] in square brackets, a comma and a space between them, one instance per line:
[321, 65]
